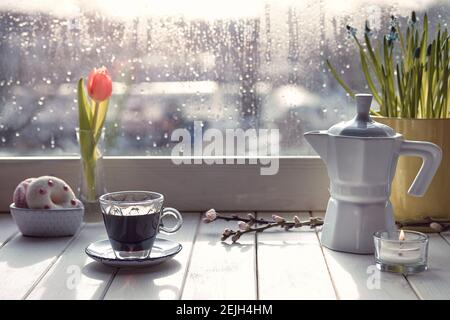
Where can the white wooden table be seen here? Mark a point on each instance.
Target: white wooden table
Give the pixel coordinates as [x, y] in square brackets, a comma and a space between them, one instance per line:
[270, 265]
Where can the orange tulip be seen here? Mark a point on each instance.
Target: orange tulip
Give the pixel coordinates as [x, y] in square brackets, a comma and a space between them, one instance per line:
[99, 85]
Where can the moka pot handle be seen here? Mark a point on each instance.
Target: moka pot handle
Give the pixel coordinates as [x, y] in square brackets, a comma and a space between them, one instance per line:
[431, 156]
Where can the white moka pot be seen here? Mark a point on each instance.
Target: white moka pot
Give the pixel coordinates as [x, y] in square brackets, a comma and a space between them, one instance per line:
[361, 157]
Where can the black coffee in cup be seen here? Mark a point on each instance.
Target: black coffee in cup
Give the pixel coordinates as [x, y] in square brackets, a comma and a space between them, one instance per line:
[132, 233]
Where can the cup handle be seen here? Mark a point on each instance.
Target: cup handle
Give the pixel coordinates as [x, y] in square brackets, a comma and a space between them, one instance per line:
[174, 213]
[431, 155]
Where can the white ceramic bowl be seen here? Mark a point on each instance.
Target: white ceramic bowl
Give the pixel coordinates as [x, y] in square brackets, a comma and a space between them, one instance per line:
[47, 222]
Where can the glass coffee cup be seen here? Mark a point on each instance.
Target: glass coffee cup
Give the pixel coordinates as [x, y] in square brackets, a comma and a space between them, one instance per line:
[133, 219]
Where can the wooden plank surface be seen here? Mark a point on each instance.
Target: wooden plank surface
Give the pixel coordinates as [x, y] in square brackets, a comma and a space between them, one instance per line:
[221, 270]
[7, 228]
[75, 275]
[279, 265]
[291, 264]
[446, 236]
[164, 281]
[23, 260]
[355, 277]
[435, 282]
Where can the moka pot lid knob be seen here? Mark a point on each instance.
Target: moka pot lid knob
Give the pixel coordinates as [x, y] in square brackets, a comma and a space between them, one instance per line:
[362, 125]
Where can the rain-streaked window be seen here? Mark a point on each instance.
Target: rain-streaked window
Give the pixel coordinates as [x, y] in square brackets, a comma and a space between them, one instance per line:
[228, 64]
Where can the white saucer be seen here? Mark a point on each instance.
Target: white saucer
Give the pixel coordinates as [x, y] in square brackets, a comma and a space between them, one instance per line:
[162, 250]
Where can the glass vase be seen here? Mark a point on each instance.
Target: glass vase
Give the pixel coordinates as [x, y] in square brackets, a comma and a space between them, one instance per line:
[92, 182]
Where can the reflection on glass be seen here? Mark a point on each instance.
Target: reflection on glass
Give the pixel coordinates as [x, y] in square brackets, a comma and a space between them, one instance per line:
[230, 64]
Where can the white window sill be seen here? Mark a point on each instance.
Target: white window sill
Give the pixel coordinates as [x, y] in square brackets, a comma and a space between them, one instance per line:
[300, 184]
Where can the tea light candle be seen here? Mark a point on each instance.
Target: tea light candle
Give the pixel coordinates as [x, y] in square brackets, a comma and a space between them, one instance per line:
[401, 251]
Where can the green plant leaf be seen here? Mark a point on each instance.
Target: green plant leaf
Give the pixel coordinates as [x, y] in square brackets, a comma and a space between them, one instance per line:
[424, 40]
[418, 89]
[429, 89]
[369, 80]
[339, 79]
[400, 89]
[389, 79]
[443, 89]
[84, 108]
[446, 93]
[402, 41]
[100, 120]
[375, 64]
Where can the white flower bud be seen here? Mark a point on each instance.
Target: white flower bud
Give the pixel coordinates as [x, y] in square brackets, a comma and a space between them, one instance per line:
[243, 226]
[278, 219]
[211, 214]
[436, 226]
[206, 220]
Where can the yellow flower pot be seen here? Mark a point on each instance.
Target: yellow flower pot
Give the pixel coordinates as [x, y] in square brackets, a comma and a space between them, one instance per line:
[436, 202]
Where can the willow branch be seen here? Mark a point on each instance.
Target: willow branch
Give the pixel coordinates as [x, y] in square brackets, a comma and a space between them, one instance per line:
[439, 225]
[286, 225]
[235, 217]
[250, 224]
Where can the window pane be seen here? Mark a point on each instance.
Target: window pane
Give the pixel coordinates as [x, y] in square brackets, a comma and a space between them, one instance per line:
[227, 64]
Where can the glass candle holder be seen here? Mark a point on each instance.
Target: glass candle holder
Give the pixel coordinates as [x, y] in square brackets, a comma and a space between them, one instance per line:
[401, 251]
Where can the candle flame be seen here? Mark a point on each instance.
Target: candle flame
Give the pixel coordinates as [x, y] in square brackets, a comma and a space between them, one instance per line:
[401, 236]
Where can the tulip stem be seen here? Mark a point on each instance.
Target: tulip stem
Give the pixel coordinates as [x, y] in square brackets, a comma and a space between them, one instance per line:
[90, 177]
